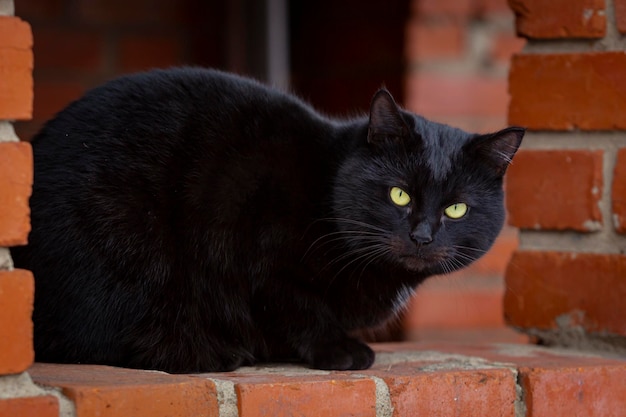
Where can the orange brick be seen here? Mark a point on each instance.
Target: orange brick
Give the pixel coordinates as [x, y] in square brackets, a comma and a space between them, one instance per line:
[568, 91]
[15, 33]
[416, 391]
[103, 391]
[494, 262]
[276, 395]
[560, 18]
[434, 40]
[16, 66]
[16, 178]
[68, 49]
[620, 15]
[575, 391]
[437, 95]
[504, 46]
[619, 192]
[44, 406]
[561, 290]
[16, 328]
[555, 189]
[466, 304]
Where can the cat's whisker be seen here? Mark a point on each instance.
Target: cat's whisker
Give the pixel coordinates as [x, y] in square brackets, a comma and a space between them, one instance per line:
[341, 235]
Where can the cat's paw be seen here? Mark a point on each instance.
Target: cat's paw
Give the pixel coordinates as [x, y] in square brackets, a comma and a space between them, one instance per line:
[345, 354]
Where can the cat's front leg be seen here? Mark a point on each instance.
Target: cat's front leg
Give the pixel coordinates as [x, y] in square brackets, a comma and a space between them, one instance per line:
[338, 354]
[295, 321]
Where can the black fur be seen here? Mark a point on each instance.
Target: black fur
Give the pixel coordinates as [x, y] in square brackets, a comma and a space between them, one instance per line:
[189, 220]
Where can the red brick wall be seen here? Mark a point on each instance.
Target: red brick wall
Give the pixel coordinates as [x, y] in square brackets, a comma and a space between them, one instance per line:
[458, 54]
[566, 283]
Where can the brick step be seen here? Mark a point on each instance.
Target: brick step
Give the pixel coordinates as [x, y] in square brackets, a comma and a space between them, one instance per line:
[408, 379]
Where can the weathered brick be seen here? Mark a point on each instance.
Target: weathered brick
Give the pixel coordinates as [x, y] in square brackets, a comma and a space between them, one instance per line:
[555, 190]
[562, 290]
[104, 391]
[16, 328]
[596, 391]
[16, 178]
[277, 395]
[44, 406]
[560, 18]
[620, 15]
[568, 91]
[421, 390]
[16, 65]
[619, 192]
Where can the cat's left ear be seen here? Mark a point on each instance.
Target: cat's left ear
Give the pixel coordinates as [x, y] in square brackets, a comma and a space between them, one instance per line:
[385, 122]
[497, 149]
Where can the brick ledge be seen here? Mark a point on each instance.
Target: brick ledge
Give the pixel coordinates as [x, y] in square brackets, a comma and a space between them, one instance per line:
[408, 379]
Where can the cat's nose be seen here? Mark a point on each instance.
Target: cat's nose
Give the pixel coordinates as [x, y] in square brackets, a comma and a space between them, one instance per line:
[422, 234]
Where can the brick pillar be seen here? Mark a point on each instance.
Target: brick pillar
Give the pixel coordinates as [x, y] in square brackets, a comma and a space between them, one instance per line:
[566, 189]
[18, 395]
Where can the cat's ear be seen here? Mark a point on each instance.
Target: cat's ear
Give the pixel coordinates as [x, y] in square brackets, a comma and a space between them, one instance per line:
[497, 149]
[385, 122]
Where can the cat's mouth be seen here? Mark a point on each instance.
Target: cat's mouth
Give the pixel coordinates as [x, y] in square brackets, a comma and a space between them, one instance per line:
[419, 264]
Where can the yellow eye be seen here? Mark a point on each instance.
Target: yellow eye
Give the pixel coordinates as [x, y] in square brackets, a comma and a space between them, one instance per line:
[399, 196]
[456, 211]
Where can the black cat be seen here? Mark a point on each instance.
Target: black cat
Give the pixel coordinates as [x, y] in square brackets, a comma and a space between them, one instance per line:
[189, 220]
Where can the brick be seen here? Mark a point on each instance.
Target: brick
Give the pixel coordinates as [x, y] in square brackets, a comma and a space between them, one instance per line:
[137, 53]
[560, 18]
[44, 406]
[555, 190]
[105, 391]
[434, 40]
[575, 391]
[63, 49]
[277, 395]
[16, 65]
[503, 46]
[619, 192]
[491, 8]
[568, 91]
[417, 390]
[16, 178]
[562, 290]
[438, 95]
[456, 305]
[16, 328]
[620, 15]
[494, 262]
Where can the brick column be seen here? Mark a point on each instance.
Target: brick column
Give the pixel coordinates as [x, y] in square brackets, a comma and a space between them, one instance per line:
[566, 189]
[18, 395]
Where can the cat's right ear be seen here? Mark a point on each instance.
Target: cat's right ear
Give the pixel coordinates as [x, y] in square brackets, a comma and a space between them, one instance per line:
[385, 121]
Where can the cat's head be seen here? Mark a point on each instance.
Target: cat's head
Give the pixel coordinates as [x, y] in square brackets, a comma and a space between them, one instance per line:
[422, 195]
